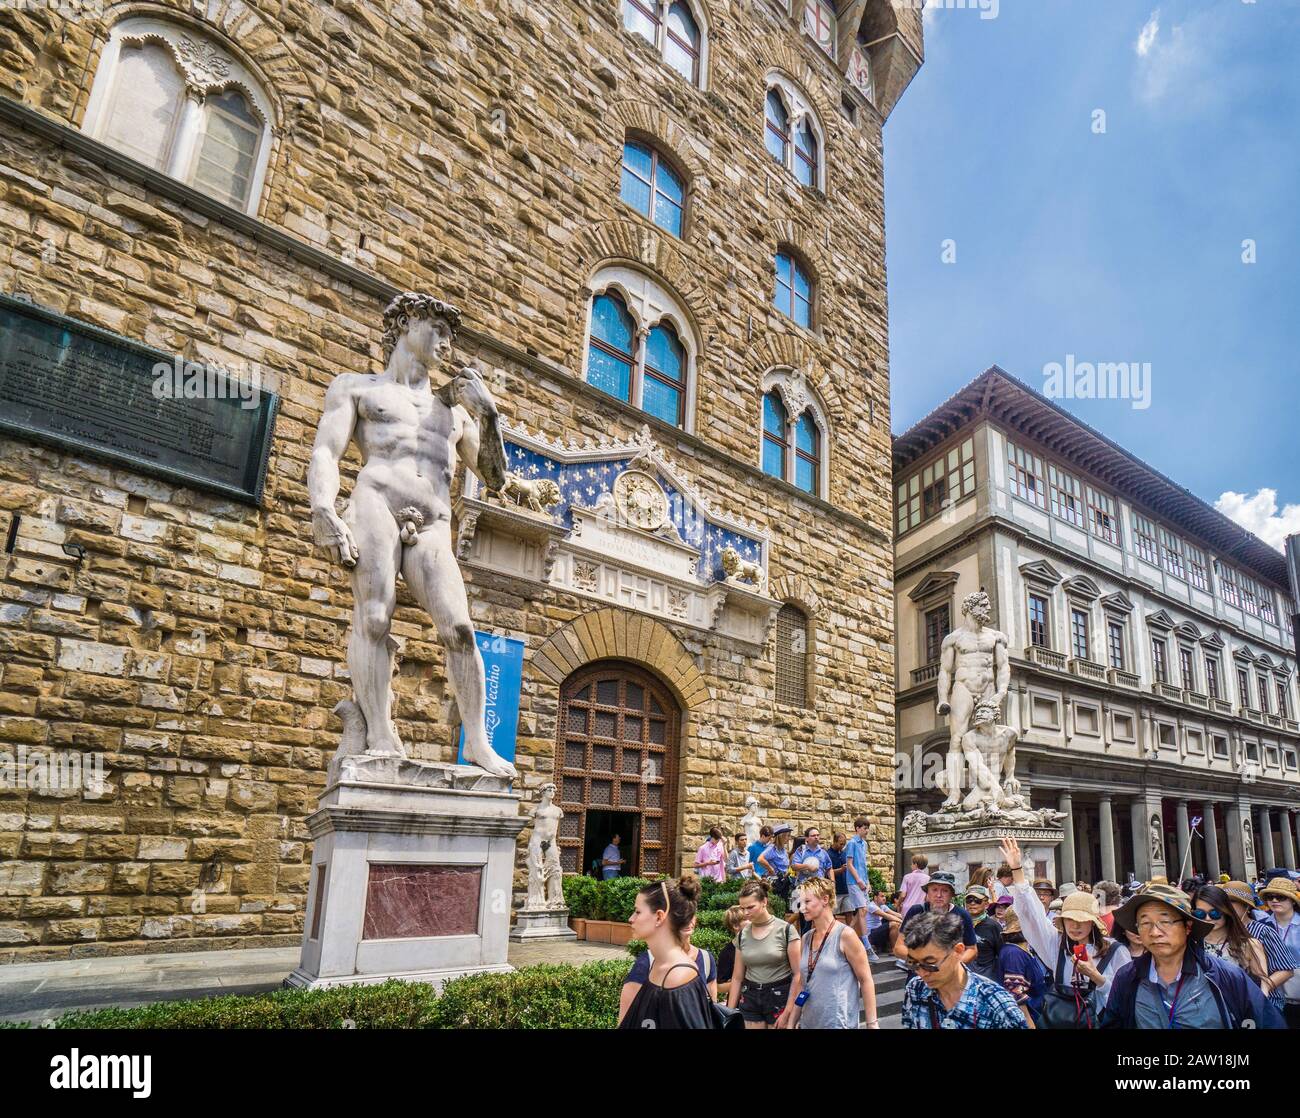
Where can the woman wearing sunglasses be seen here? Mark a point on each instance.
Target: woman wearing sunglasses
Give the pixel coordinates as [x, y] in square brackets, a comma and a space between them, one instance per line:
[1229, 938]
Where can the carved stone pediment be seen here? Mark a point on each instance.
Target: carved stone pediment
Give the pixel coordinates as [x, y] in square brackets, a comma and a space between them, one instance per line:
[935, 584]
[627, 529]
[1160, 620]
[1212, 641]
[1082, 587]
[1040, 571]
[1119, 602]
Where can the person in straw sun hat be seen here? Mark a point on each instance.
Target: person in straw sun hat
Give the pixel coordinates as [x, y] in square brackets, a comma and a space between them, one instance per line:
[1081, 961]
[1283, 916]
[1177, 985]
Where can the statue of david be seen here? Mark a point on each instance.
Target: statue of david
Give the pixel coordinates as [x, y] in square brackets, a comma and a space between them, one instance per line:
[410, 436]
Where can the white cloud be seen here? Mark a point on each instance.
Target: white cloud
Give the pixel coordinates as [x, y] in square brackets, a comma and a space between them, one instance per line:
[1259, 514]
[1148, 35]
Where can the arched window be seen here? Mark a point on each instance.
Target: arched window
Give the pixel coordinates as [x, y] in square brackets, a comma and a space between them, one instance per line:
[653, 188]
[775, 435]
[675, 32]
[793, 293]
[792, 656]
[682, 42]
[778, 128]
[793, 132]
[664, 393]
[794, 437]
[610, 357]
[181, 104]
[641, 348]
[805, 155]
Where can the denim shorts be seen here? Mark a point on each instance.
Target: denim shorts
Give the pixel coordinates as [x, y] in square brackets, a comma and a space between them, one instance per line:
[764, 1001]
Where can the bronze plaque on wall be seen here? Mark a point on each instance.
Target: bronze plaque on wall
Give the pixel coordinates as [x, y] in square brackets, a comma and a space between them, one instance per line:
[73, 385]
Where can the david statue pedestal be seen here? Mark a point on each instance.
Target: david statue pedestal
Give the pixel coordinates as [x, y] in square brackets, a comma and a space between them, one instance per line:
[413, 861]
[983, 799]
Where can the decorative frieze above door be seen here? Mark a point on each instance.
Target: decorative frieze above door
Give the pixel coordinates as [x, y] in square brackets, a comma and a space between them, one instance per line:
[615, 521]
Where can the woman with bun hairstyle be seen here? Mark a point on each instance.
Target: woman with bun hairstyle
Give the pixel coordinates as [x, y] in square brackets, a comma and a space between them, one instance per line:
[674, 995]
[765, 975]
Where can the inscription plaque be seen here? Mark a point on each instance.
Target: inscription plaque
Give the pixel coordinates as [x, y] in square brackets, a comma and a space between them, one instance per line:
[70, 384]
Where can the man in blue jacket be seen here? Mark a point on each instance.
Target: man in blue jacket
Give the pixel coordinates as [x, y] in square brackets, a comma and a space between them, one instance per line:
[1177, 984]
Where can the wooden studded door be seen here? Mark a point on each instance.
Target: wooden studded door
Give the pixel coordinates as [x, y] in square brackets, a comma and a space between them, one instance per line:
[617, 758]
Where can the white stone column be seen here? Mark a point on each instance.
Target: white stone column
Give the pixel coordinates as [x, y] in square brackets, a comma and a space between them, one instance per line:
[1211, 831]
[1107, 839]
[1184, 842]
[1065, 865]
[1266, 837]
[1288, 844]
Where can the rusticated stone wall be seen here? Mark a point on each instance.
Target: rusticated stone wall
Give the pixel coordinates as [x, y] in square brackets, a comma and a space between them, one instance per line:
[198, 646]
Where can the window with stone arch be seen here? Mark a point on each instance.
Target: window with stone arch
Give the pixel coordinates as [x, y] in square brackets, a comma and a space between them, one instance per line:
[676, 30]
[653, 186]
[177, 101]
[641, 346]
[793, 132]
[793, 288]
[795, 433]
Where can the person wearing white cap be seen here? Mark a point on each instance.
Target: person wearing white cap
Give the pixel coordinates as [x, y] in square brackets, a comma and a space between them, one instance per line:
[1077, 953]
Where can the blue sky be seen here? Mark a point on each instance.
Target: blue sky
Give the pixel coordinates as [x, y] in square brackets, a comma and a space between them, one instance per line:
[1122, 245]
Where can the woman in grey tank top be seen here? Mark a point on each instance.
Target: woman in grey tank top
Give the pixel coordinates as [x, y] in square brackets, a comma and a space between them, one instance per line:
[834, 967]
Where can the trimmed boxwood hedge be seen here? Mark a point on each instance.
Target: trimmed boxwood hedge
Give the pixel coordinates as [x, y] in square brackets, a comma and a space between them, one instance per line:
[541, 997]
[708, 938]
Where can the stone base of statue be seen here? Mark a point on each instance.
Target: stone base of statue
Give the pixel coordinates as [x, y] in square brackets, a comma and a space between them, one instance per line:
[542, 923]
[961, 841]
[412, 869]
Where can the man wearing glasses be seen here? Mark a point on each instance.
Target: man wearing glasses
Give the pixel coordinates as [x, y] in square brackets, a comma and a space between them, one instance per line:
[945, 994]
[1177, 984]
[988, 933]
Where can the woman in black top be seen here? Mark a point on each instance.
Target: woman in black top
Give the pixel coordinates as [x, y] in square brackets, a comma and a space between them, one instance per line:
[674, 995]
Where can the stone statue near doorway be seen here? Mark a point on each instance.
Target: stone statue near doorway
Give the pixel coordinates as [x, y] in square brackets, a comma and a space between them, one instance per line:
[751, 822]
[545, 877]
[410, 437]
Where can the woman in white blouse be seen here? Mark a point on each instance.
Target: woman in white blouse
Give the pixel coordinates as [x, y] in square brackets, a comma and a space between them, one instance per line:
[1080, 959]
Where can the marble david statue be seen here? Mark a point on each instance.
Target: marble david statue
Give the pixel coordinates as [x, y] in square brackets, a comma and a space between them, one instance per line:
[974, 673]
[397, 520]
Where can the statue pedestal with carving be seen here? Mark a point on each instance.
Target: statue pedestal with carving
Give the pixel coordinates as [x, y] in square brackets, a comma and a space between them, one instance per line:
[412, 868]
[542, 923]
[959, 841]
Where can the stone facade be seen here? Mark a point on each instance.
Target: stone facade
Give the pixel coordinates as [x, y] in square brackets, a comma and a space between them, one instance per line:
[471, 150]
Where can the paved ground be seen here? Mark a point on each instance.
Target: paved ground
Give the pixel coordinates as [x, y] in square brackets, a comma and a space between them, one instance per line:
[40, 991]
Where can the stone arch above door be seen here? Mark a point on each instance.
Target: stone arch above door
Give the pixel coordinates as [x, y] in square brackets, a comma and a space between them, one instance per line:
[615, 634]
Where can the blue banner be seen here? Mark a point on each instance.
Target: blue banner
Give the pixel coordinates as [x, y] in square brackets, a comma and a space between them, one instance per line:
[503, 667]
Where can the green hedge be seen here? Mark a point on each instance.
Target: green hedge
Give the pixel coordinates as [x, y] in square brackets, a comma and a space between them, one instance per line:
[542, 997]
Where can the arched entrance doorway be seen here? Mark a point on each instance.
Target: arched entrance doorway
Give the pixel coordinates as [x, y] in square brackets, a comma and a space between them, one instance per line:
[616, 756]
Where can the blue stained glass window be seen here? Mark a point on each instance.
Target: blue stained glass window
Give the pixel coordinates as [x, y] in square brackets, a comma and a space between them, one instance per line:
[652, 188]
[805, 475]
[805, 434]
[805, 150]
[662, 401]
[682, 43]
[777, 132]
[663, 353]
[793, 292]
[773, 415]
[609, 354]
[665, 379]
[773, 459]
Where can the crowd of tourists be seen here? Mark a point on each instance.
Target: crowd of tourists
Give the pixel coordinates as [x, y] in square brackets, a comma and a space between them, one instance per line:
[1009, 951]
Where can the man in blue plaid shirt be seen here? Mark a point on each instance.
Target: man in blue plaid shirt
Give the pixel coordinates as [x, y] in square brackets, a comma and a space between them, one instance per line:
[944, 994]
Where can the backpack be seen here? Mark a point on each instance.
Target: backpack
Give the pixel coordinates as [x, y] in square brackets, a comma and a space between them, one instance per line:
[1070, 1006]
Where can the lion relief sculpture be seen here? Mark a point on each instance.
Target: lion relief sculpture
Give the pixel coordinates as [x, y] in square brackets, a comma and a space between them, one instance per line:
[539, 494]
[741, 570]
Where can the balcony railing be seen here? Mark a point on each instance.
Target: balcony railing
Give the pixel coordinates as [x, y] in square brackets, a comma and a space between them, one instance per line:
[1121, 678]
[1273, 720]
[1086, 669]
[1291, 724]
[1045, 657]
[1167, 690]
[925, 674]
[1250, 714]
[1221, 706]
[1197, 699]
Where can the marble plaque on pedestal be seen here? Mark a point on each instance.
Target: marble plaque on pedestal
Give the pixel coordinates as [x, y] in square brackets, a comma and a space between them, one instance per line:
[413, 865]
